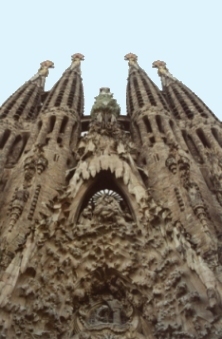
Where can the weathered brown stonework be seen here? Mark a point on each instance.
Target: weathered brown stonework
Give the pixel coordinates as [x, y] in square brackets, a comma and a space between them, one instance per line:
[110, 225]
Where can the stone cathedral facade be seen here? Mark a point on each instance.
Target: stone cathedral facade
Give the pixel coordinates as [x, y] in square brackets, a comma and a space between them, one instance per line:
[110, 225]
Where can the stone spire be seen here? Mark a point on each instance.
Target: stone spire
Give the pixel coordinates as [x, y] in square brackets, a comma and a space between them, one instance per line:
[183, 102]
[25, 102]
[141, 91]
[67, 93]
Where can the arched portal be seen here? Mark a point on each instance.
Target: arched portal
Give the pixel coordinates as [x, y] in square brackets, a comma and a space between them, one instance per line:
[105, 186]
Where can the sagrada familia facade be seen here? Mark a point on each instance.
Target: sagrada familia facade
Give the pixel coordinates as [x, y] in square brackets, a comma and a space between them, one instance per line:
[110, 225]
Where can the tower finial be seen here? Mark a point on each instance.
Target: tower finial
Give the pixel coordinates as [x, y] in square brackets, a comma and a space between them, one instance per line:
[132, 60]
[76, 60]
[161, 66]
[44, 68]
[43, 72]
[163, 72]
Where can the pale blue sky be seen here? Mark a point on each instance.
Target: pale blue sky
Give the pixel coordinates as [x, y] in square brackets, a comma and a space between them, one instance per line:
[185, 34]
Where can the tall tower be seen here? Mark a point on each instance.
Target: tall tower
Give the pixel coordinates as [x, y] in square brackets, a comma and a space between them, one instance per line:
[110, 225]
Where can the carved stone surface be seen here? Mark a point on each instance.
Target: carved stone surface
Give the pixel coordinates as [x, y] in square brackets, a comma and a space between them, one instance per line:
[115, 233]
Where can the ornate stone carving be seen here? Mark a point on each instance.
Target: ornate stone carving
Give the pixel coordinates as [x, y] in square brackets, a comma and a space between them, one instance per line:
[44, 68]
[19, 199]
[96, 253]
[171, 163]
[34, 202]
[41, 163]
[76, 60]
[132, 60]
[29, 168]
[179, 199]
[34, 163]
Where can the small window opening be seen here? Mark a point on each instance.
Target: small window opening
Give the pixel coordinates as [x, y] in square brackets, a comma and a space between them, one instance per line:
[63, 125]
[192, 147]
[72, 133]
[52, 121]
[4, 138]
[39, 125]
[152, 141]
[159, 123]
[138, 133]
[217, 136]
[59, 141]
[147, 124]
[203, 138]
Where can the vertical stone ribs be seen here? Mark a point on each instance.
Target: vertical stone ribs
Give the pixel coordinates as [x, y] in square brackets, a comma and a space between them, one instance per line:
[141, 91]
[25, 102]
[183, 102]
[67, 93]
[109, 233]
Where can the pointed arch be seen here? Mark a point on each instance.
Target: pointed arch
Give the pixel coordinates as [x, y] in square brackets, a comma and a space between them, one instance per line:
[107, 182]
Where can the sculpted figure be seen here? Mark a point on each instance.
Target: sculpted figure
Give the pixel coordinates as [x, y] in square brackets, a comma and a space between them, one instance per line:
[108, 209]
